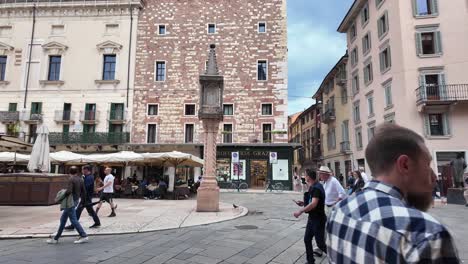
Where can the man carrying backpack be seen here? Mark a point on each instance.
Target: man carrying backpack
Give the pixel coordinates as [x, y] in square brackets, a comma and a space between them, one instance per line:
[314, 205]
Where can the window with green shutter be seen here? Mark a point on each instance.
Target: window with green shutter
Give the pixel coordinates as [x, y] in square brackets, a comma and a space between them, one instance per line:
[36, 108]
[12, 107]
[388, 95]
[368, 74]
[383, 25]
[365, 15]
[355, 83]
[422, 8]
[385, 60]
[366, 43]
[437, 124]
[428, 43]
[354, 57]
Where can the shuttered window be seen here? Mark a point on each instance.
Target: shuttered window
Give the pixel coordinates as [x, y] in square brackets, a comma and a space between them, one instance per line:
[368, 73]
[428, 43]
[423, 8]
[437, 124]
[383, 25]
[365, 15]
[385, 60]
[366, 43]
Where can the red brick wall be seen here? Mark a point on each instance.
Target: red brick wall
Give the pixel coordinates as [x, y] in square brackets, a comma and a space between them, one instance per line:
[185, 49]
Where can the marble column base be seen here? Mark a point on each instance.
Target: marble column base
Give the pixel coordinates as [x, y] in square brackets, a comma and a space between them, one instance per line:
[208, 199]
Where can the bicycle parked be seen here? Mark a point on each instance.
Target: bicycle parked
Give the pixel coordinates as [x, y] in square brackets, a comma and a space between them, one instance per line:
[238, 186]
[279, 187]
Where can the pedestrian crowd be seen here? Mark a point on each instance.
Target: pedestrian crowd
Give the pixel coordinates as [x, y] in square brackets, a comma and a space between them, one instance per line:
[79, 196]
[382, 220]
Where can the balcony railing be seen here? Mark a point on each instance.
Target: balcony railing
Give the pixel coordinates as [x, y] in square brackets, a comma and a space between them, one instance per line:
[57, 138]
[64, 116]
[441, 93]
[117, 117]
[345, 147]
[31, 117]
[89, 117]
[9, 117]
[329, 115]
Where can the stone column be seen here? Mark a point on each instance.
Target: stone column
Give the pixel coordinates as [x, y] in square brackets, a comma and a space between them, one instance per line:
[208, 192]
[171, 172]
[197, 173]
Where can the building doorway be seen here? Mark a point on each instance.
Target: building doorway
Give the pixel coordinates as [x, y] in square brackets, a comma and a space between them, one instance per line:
[445, 169]
[258, 173]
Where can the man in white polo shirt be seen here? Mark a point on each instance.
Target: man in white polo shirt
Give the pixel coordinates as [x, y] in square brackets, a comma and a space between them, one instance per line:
[364, 175]
[108, 191]
[334, 192]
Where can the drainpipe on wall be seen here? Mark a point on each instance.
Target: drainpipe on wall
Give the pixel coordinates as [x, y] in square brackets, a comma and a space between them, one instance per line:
[30, 56]
[129, 54]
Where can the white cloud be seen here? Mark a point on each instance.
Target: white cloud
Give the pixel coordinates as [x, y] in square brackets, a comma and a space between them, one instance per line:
[313, 47]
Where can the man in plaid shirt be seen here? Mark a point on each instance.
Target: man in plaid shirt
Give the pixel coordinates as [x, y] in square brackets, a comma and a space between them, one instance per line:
[386, 222]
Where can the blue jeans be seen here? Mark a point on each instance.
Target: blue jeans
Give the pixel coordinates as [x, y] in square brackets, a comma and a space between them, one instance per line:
[70, 213]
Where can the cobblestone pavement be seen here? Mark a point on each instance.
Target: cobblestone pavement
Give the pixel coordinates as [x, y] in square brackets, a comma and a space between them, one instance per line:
[269, 234]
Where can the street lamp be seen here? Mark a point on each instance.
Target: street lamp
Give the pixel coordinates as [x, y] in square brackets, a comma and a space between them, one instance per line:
[211, 114]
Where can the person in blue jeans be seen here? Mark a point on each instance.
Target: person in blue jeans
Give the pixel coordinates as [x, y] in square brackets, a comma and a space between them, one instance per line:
[87, 203]
[77, 190]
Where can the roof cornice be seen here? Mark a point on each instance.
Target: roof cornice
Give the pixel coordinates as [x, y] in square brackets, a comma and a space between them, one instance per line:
[349, 17]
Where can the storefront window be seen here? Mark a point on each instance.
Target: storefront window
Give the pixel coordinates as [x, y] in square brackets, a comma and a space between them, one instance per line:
[223, 167]
[183, 174]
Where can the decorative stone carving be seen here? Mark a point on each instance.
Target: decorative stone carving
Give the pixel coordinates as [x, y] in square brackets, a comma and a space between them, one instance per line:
[109, 47]
[54, 48]
[5, 49]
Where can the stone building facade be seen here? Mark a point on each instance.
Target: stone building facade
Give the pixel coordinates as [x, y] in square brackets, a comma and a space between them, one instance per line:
[78, 80]
[333, 93]
[251, 48]
[175, 35]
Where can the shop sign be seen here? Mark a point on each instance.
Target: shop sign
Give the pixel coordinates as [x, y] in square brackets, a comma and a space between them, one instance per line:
[273, 157]
[235, 157]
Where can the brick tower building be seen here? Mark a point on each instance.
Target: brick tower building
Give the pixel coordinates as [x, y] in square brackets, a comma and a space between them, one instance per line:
[172, 49]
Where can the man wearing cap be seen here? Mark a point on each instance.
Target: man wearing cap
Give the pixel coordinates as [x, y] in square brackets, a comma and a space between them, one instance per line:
[334, 192]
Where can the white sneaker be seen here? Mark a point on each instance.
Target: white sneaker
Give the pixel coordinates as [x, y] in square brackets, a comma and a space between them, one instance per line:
[81, 240]
[51, 241]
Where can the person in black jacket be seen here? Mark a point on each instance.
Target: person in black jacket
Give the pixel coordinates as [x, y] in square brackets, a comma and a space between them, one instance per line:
[358, 183]
[314, 205]
[87, 202]
[77, 190]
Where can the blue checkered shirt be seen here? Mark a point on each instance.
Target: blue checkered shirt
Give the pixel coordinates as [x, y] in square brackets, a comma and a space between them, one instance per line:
[377, 226]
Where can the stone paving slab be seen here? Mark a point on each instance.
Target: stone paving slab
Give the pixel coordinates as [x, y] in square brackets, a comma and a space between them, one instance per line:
[133, 216]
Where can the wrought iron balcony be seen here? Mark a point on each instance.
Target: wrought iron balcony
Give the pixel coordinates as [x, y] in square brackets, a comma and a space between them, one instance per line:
[58, 138]
[31, 117]
[89, 117]
[65, 117]
[9, 117]
[329, 116]
[441, 94]
[117, 117]
[345, 147]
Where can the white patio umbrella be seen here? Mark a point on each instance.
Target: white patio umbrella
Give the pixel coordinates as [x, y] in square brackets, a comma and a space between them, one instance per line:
[13, 157]
[176, 158]
[119, 157]
[40, 153]
[65, 157]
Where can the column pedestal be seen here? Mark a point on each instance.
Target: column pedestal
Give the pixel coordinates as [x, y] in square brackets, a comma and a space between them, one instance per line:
[208, 192]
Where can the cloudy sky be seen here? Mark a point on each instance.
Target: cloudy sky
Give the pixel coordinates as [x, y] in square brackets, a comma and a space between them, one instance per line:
[314, 46]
